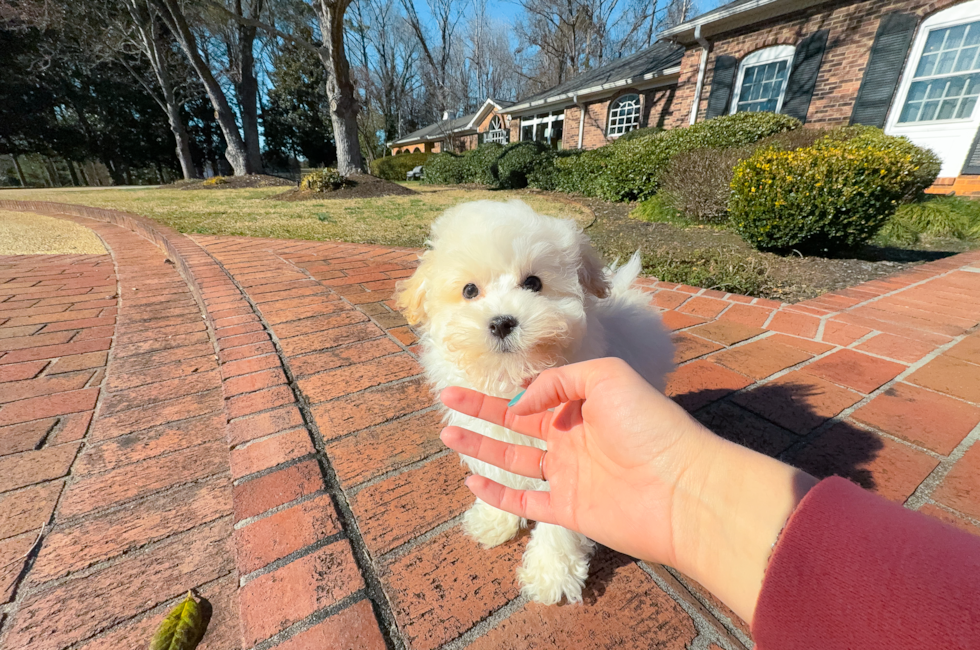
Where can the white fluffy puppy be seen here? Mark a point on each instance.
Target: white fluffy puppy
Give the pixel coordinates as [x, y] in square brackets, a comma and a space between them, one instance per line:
[501, 294]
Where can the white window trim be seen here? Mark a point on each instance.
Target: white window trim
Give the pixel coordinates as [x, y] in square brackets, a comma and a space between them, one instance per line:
[535, 120]
[957, 15]
[496, 135]
[639, 114]
[761, 57]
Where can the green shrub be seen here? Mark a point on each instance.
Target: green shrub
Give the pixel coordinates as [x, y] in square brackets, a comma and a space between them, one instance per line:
[479, 164]
[948, 217]
[640, 133]
[698, 183]
[517, 161]
[925, 163]
[445, 169]
[659, 209]
[323, 180]
[837, 193]
[636, 167]
[720, 269]
[395, 168]
[580, 172]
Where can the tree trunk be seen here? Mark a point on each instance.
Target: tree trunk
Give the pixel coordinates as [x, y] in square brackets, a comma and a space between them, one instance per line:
[82, 175]
[20, 171]
[340, 88]
[235, 151]
[51, 173]
[247, 90]
[71, 172]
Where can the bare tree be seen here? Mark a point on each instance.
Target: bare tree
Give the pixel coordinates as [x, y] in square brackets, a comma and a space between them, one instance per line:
[239, 42]
[331, 50]
[439, 49]
[145, 32]
[173, 14]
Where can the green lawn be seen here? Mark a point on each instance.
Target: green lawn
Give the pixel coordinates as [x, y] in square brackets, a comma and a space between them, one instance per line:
[392, 220]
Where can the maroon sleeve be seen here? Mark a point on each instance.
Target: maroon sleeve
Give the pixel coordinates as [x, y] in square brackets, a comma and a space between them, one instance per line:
[852, 570]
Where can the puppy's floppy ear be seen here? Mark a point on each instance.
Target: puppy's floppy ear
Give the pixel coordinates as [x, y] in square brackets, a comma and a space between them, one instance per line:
[591, 275]
[410, 295]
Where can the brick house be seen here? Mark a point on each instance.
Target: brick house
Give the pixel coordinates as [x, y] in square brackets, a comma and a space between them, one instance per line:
[488, 124]
[599, 105]
[911, 67]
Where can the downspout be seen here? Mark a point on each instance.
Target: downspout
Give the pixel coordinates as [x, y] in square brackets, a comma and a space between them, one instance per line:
[702, 67]
[581, 119]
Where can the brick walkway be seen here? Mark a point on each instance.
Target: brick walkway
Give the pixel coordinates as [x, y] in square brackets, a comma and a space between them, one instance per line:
[262, 433]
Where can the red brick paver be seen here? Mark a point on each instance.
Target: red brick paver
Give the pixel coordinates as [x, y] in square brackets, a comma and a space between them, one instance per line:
[266, 394]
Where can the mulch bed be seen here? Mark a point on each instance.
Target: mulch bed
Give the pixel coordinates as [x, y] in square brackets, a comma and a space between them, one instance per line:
[234, 183]
[364, 186]
[791, 278]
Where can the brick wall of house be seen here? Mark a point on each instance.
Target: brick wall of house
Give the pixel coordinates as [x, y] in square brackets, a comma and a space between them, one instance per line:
[852, 27]
[657, 106]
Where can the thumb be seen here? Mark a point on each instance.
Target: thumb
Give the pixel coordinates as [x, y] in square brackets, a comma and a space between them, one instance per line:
[569, 383]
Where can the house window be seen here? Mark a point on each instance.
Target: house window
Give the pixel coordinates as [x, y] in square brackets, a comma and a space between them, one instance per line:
[544, 127]
[496, 132]
[946, 82]
[761, 81]
[624, 115]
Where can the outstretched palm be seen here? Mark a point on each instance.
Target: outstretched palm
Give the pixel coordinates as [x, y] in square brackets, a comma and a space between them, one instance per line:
[611, 438]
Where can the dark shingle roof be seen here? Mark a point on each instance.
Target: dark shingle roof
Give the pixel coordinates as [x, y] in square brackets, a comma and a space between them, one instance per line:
[437, 130]
[660, 56]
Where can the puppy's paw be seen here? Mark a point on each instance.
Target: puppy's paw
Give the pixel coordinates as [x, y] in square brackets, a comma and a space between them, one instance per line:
[546, 576]
[490, 526]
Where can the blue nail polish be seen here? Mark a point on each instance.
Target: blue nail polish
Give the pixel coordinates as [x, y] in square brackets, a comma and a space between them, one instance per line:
[516, 397]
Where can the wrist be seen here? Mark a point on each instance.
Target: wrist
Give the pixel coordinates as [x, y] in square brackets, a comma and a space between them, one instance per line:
[730, 514]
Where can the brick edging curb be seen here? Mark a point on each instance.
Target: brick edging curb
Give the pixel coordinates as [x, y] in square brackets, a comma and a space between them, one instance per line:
[240, 337]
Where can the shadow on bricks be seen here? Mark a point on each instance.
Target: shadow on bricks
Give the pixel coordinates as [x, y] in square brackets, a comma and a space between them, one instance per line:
[792, 421]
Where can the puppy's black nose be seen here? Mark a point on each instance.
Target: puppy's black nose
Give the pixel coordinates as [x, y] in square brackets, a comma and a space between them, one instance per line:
[502, 326]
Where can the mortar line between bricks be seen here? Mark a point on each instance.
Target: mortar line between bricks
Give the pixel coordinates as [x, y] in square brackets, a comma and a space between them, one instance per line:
[295, 555]
[704, 627]
[380, 478]
[312, 620]
[427, 409]
[804, 440]
[929, 484]
[973, 520]
[160, 609]
[275, 468]
[18, 591]
[406, 547]
[242, 523]
[369, 572]
[485, 624]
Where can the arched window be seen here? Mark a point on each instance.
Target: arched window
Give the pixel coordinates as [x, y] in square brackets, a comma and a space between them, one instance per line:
[496, 132]
[761, 81]
[624, 115]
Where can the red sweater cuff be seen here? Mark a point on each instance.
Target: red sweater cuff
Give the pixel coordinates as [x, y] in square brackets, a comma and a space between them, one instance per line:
[852, 570]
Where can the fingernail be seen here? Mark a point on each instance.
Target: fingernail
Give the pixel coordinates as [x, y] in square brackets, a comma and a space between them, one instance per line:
[516, 397]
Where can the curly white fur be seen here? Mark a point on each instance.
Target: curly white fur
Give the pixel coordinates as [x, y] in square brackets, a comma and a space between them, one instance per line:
[583, 311]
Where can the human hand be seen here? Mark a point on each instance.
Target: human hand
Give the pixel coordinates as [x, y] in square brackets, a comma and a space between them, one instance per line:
[630, 469]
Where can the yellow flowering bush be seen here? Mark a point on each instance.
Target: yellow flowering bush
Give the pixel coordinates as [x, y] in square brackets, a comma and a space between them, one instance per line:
[215, 180]
[835, 194]
[323, 180]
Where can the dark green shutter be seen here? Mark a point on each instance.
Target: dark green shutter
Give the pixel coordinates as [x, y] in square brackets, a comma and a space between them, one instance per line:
[972, 164]
[722, 80]
[891, 46]
[803, 75]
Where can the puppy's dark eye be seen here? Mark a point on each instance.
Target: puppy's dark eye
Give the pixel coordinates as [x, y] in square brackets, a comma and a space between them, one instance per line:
[470, 291]
[532, 283]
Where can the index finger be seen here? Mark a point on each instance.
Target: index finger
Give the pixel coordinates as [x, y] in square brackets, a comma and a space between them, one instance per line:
[494, 410]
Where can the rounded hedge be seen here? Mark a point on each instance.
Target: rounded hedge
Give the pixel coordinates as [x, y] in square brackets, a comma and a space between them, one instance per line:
[480, 163]
[445, 169]
[518, 161]
[323, 180]
[395, 168]
[835, 194]
[636, 167]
